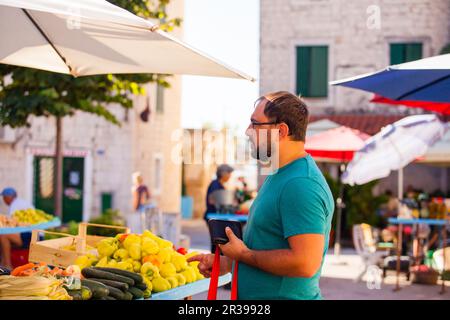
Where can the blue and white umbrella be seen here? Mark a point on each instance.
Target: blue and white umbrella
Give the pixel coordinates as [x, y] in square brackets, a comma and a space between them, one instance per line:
[394, 147]
[421, 80]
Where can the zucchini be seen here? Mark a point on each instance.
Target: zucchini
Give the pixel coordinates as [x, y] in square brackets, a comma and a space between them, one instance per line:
[109, 298]
[116, 293]
[127, 296]
[98, 289]
[100, 274]
[142, 286]
[137, 293]
[75, 294]
[115, 284]
[135, 276]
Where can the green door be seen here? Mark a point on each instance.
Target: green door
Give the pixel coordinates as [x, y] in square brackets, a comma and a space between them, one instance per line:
[44, 186]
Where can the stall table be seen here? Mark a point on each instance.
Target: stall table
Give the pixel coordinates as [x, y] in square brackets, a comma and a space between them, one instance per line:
[188, 290]
[433, 222]
[40, 226]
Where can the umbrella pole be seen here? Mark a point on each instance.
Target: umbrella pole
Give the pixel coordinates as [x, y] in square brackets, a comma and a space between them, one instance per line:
[400, 227]
[340, 205]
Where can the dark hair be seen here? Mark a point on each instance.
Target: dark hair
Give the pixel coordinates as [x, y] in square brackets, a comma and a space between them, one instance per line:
[283, 106]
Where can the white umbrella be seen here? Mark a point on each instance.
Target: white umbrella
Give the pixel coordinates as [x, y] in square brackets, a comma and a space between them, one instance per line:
[87, 37]
[395, 146]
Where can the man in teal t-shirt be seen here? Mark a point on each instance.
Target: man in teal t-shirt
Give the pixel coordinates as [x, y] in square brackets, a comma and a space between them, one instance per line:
[286, 238]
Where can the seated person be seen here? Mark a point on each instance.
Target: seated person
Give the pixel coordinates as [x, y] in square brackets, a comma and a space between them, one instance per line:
[17, 240]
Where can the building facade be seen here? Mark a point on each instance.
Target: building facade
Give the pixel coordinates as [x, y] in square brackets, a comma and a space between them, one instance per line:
[305, 44]
[100, 157]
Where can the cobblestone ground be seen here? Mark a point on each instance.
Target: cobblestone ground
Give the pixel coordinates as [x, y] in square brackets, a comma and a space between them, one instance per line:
[337, 276]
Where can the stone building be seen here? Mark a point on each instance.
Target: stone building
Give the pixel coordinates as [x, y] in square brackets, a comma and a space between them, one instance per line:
[305, 44]
[100, 157]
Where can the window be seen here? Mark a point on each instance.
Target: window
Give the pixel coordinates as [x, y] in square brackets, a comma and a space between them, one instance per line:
[107, 201]
[405, 52]
[312, 71]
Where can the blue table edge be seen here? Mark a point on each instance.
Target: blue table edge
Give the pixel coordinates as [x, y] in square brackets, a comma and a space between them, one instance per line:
[437, 222]
[188, 289]
[46, 225]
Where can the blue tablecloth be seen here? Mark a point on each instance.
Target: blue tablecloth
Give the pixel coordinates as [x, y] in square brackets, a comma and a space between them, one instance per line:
[227, 216]
[189, 289]
[43, 226]
[434, 222]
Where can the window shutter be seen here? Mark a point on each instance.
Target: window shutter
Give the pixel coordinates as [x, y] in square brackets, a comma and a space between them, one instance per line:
[303, 70]
[319, 72]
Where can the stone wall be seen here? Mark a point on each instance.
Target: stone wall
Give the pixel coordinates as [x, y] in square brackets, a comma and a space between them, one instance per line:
[355, 46]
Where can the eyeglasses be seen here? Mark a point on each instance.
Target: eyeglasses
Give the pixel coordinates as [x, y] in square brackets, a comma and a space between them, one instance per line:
[255, 124]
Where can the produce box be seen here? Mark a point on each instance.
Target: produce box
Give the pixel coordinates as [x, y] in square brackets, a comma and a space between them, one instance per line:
[64, 251]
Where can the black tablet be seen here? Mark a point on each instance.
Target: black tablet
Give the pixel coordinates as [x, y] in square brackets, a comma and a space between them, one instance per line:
[217, 230]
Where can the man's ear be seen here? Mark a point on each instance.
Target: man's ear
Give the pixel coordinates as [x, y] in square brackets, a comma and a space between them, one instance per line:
[283, 130]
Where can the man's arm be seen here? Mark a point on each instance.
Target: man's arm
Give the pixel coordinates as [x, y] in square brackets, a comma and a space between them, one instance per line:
[303, 259]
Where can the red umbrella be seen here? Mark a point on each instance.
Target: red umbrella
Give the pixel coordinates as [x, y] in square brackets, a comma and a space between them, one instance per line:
[441, 107]
[336, 144]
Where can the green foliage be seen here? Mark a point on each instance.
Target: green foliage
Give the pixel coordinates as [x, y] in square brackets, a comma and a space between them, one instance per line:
[361, 204]
[109, 217]
[445, 49]
[25, 92]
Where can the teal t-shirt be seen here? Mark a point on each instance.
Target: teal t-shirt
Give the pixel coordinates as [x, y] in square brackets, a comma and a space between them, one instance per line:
[294, 200]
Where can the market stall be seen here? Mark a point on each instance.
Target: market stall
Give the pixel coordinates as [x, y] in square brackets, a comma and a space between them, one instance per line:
[89, 267]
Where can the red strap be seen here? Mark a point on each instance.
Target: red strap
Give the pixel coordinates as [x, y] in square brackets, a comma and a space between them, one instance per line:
[234, 283]
[214, 282]
[212, 292]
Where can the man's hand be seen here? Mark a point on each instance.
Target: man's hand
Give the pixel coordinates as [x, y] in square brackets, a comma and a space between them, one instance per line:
[206, 263]
[235, 249]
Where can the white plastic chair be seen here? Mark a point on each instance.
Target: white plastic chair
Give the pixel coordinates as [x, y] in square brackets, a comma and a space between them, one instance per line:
[366, 248]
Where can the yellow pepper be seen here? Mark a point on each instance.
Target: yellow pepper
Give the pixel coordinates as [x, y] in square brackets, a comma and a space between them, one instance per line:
[165, 255]
[149, 246]
[164, 243]
[149, 234]
[83, 262]
[131, 239]
[153, 258]
[149, 270]
[189, 274]
[160, 284]
[149, 284]
[179, 261]
[125, 265]
[181, 279]
[136, 266]
[167, 270]
[106, 247]
[134, 251]
[112, 263]
[120, 254]
[173, 282]
[194, 265]
[103, 262]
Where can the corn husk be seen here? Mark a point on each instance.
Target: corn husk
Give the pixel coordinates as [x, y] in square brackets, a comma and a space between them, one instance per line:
[34, 287]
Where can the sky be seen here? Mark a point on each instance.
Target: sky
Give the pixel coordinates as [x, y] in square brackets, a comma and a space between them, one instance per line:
[228, 30]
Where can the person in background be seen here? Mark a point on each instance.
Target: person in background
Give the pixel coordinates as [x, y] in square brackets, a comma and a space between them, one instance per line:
[141, 194]
[223, 175]
[16, 240]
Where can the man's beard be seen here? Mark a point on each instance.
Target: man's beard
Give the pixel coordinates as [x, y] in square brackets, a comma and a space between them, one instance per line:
[262, 154]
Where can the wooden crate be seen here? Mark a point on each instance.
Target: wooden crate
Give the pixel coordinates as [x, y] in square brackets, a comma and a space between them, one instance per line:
[50, 252]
